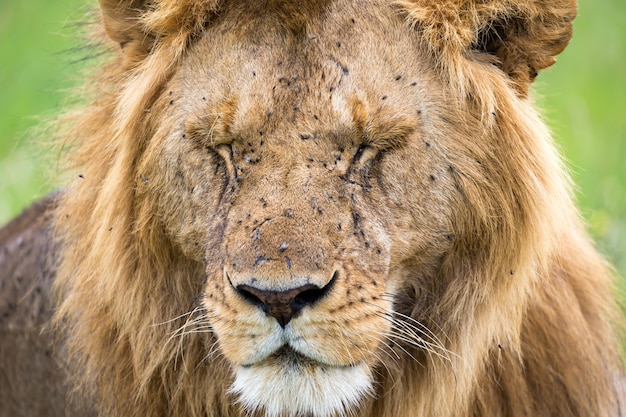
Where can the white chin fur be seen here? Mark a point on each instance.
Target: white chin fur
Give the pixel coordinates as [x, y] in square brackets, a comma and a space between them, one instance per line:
[301, 389]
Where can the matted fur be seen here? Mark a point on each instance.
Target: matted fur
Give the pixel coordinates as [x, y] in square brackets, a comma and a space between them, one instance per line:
[514, 306]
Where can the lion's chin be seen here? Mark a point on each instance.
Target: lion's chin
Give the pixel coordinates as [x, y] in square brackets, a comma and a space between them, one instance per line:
[291, 385]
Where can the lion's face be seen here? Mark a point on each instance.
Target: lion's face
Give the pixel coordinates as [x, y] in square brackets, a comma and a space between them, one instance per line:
[305, 176]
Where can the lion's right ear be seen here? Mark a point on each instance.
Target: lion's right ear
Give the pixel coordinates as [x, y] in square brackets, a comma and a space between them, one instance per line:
[142, 23]
[122, 20]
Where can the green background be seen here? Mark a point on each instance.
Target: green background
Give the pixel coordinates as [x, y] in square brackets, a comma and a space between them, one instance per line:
[582, 98]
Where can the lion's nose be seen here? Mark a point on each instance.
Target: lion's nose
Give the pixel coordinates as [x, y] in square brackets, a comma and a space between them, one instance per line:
[284, 305]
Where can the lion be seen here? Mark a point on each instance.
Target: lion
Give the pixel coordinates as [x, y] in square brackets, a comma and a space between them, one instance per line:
[338, 208]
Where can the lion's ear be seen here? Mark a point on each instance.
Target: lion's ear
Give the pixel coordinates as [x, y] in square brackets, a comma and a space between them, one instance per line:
[122, 19]
[142, 23]
[528, 37]
[523, 35]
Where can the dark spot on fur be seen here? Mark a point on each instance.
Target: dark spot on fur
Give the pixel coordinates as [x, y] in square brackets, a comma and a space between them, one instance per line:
[414, 83]
[288, 261]
[385, 97]
[398, 77]
[432, 178]
[81, 176]
[288, 213]
[270, 112]
[511, 272]
[315, 117]
[338, 43]
[260, 259]
[283, 246]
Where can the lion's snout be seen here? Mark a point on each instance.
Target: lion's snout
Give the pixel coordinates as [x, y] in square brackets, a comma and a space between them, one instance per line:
[285, 304]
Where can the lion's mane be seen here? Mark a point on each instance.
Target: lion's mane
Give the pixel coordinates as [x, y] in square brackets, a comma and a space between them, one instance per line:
[523, 299]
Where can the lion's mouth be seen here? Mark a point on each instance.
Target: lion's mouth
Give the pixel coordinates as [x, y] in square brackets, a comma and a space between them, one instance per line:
[289, 358]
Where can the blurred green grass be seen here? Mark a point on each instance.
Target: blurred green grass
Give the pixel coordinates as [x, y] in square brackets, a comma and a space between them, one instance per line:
[36, 69]
[583, 99]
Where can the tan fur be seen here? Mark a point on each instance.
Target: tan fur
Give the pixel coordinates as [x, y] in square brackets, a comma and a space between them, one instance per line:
[392, 146]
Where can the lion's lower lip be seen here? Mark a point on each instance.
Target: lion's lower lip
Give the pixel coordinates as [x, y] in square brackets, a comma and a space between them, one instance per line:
[288, 357]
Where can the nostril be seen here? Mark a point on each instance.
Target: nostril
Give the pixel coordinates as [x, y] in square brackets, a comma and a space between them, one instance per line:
[313, 295]
[249, 296]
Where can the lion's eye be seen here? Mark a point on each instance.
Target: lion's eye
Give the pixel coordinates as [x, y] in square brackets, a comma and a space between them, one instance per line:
[364, 154]
[224, 153]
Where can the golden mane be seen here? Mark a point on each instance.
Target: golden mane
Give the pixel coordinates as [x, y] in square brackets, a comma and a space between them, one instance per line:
[122, 281]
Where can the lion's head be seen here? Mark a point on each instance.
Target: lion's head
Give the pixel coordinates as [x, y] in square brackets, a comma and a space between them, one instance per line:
[309, 209]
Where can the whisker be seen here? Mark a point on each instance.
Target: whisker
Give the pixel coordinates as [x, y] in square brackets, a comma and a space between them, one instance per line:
[175, 318]
[410, 331]
[395, 297]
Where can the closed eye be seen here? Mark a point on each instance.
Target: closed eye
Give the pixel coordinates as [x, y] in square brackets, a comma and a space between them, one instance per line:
[363, 155]
[223, 154]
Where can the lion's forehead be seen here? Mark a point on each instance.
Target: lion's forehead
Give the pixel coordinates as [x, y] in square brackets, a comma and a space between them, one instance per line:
[326, 82]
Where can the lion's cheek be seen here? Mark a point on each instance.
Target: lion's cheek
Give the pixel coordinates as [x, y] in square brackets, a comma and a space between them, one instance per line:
[245, 338]
[339, 339]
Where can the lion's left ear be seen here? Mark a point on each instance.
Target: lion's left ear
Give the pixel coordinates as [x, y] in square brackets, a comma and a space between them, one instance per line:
[523, 35]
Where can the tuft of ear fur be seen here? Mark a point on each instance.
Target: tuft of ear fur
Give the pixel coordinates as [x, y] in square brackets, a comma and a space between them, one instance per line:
[524, 36]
